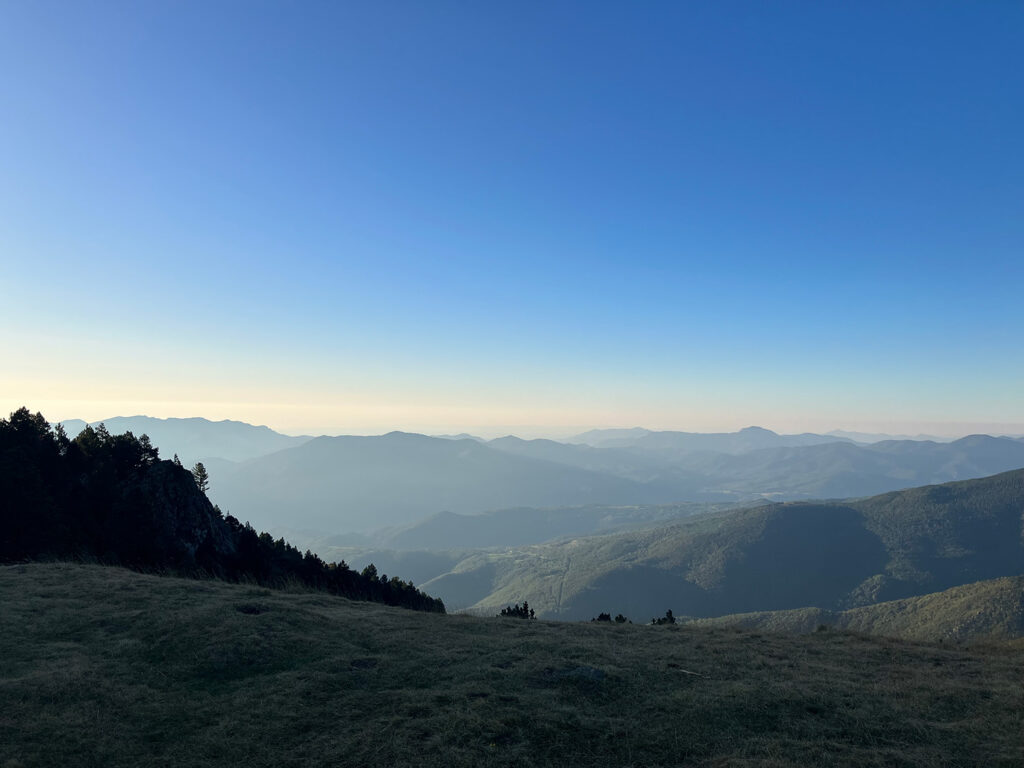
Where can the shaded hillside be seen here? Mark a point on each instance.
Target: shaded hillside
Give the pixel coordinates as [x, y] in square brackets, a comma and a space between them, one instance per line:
[110, 498]
[945, 535]
[431, 548]
[780, 556]
[364, 483]
[524, 525]
[196, 439]
[141, 671]
[831, 556]
[984, 610]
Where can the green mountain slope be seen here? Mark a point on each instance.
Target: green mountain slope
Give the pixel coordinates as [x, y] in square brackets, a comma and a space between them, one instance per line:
[992, 609]
[832, 556]
[102, 666]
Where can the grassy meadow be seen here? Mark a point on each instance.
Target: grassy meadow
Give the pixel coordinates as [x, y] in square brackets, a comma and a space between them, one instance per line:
[107, 667]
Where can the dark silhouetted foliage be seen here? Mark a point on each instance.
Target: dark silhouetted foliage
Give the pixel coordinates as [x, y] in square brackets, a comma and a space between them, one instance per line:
[517, 611]
[202, 477]
[668, 618]
[111, 499]
[607, 617]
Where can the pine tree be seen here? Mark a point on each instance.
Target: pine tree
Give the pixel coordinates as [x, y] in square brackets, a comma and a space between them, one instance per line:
[201, 476]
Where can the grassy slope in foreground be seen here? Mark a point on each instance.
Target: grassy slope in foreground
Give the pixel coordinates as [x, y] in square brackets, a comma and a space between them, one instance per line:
[107, 667]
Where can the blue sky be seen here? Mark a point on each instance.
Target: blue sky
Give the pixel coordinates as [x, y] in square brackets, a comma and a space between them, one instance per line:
[526, 217]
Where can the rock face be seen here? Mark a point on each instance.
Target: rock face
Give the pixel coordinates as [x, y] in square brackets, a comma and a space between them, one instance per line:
[181, 514]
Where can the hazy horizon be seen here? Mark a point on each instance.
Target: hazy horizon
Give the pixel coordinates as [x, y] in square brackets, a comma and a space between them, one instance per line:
[947, 430]
[534, 219]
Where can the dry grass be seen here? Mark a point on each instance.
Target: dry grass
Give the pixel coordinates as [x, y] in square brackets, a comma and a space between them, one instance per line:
[104, 667]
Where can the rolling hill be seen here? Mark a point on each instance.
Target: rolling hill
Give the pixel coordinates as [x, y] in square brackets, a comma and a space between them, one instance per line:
[521, 526]
[984, 610]
[432, 547]
[832, 556]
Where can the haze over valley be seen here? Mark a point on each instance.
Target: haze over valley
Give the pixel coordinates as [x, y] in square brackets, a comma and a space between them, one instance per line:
[361, 484]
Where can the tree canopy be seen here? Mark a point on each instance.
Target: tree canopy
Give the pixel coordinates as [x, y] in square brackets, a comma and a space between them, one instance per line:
[110, 498]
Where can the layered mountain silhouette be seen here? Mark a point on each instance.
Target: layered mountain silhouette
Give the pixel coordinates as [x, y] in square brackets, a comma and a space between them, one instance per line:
[196, 439]
[815, 470]
[830, 556]
[362, 484]
[774, 564]
[671, 444]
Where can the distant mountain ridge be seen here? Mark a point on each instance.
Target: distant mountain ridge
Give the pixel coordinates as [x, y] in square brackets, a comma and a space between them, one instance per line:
[195, 438]
[878, 437]
[364, 483]
[833, 469]
[328, 485]
[746, 439]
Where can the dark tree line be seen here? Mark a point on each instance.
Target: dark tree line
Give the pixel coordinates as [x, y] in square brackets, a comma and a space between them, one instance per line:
[619, 619]
[110, 499]
[518, 611]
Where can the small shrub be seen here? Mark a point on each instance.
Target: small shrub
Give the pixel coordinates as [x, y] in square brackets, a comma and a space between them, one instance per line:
[517, 611]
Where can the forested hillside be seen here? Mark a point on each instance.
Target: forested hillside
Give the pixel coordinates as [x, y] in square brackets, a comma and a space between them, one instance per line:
[832, 556]
[110, 498]
[983, 610]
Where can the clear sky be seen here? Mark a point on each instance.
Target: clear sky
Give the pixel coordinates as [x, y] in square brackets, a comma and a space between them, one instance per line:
[334, 216]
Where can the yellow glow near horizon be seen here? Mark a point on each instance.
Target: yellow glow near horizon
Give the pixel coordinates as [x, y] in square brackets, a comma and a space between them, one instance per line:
[364, 415]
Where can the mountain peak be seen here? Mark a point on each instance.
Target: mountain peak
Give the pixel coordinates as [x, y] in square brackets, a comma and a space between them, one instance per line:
[756, 431]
